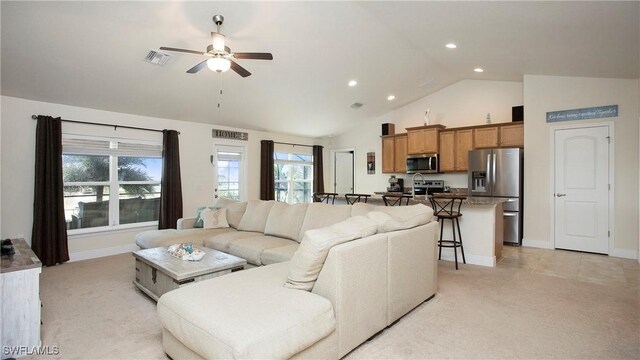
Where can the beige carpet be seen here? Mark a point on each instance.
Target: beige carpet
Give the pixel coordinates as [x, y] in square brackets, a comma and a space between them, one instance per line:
[92, 311]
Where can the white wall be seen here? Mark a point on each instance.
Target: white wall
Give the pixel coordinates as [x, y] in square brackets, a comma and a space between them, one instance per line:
[196, 146]
[551, 93]
[464, 103]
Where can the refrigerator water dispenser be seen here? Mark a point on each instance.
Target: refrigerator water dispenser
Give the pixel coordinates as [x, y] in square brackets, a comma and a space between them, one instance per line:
[478, 181]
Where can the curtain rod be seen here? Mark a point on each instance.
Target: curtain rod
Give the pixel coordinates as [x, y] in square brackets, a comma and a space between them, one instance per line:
[292, 144]
[115, 127]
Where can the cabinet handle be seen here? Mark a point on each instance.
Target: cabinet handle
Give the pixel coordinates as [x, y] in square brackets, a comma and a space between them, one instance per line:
[560, 195]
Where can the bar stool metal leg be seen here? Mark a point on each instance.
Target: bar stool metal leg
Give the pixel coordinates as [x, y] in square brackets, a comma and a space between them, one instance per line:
[441, 221]
[455, 242]
[464, 261]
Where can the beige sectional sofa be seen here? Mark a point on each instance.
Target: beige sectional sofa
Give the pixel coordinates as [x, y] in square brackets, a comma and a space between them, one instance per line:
[364, 285]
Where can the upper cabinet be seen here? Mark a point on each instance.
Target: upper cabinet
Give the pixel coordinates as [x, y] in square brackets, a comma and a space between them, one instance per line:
[499, 135]
[512, 135]
[485, 137]
[423, 139]
[394, 153]
[454, 147]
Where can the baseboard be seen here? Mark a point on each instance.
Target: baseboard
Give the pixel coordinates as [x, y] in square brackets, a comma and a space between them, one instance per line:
[96, 253]
[537, 244]
[624, 253]
[490, 261]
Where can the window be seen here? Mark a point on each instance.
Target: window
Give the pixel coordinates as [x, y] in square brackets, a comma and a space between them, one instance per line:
[293, 174]
[109, 183]
[230, 168]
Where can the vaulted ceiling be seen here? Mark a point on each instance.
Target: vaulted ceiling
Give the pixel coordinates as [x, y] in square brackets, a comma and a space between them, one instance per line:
[90, 54]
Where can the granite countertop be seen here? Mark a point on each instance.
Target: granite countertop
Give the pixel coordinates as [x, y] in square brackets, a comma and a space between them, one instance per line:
[421, 199]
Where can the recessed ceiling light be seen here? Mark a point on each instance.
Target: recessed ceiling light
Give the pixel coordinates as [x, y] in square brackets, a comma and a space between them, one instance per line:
[353, 83]
[451, 46]
[478, 70]
[391, 97]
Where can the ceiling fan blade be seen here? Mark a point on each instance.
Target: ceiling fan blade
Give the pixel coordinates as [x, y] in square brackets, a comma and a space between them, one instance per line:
[253, 56]
[182, 50]
[239, 69]
[197, 68]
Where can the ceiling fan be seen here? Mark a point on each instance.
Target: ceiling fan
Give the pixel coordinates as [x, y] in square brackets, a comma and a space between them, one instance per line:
[220, 56]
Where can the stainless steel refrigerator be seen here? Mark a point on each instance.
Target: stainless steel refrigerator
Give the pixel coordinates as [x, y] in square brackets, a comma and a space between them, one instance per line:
[498, 173]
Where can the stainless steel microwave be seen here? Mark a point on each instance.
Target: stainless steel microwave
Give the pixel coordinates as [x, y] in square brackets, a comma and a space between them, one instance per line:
[423, 163]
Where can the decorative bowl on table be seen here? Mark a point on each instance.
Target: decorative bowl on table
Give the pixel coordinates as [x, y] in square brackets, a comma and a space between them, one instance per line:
[186, 252]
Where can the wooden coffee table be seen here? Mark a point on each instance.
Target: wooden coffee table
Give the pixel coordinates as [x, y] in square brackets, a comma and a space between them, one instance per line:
[157, 272]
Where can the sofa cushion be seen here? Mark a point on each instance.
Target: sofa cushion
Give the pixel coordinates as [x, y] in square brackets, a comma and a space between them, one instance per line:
[251, 248]
[320, 215]
[219, 318]
[278, 254]
[392, 218]
[155, 238]
[221, 242]
[255, 217]
[309, 259]
[361, 209]
[285, 220]
[235, 210]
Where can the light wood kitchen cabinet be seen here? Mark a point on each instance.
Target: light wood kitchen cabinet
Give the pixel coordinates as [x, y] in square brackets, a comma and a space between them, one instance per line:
[464, 143]
[400, 155]
[512, 135]
[454, 146]
[388, 162]
[423, 139]
[447, 154]
[485, 137]
[394, 153]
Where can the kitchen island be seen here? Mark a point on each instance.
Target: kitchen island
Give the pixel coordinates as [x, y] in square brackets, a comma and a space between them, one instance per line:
[481, 226]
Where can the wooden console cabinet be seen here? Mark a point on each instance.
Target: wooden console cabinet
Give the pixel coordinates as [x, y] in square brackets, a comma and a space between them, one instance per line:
[20, 284]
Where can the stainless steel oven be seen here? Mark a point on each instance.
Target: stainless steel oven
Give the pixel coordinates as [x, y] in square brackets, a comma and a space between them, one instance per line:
[423, 163]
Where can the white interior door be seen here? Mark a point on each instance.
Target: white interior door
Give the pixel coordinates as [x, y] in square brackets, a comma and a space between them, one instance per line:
[343, 172]
[581, 192]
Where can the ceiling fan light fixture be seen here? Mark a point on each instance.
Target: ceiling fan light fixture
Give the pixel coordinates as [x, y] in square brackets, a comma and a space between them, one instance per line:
[217, 40]
[219, 64]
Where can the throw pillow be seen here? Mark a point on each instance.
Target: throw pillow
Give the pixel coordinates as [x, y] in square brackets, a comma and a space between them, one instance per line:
[308, 260]
[199, 223]
[214, 219]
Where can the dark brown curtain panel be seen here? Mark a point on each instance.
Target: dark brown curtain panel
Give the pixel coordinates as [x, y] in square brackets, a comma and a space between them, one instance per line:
[318, 170]
[49, 232]
[171, 190]
[267, 182]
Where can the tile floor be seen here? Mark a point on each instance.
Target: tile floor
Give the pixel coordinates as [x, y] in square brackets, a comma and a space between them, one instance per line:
[592, 268]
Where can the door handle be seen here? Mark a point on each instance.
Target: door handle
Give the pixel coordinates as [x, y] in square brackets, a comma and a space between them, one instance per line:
[560, 195]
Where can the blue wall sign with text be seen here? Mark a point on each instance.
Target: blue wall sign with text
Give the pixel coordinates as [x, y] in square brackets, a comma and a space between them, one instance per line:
[583, 114]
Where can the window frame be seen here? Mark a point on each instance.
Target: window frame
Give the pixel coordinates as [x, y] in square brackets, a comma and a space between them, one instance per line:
[291, 181]
[113, 182]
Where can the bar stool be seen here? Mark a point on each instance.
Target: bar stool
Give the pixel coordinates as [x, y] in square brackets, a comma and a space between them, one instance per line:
[324, 197]
[354, 198]
[448, 208]
[396, 200]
